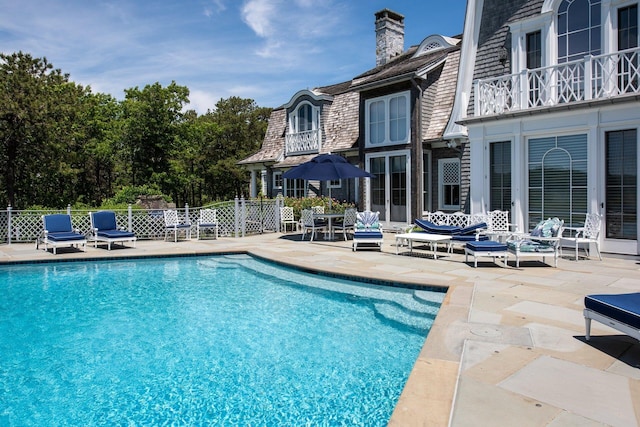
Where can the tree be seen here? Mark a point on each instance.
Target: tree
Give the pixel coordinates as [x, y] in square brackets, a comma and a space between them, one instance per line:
[38, 108]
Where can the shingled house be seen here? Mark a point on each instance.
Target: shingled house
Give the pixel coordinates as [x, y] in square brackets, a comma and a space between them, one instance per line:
[548, 98]
[388, 120]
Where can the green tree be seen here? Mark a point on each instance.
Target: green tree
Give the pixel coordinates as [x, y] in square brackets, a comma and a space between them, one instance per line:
[150, 128]
[39, 156]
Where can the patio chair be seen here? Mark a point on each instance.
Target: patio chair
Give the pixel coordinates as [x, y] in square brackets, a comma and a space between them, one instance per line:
[173, 224]
[348, 221]
[367, 230]
[207, 221]
[105, 229]
[543, 241]
[586, 235]
[309, 223]
[288, 218]
[58, 231]
[621, 312]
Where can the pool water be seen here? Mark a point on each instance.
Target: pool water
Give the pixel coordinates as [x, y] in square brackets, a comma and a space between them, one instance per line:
[226, 340]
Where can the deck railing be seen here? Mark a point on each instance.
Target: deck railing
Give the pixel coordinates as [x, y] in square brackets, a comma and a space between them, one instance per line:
[303, 142]
[236, 218]
[594, 77]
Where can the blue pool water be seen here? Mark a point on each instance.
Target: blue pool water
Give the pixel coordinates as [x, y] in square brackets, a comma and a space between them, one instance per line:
[227, 340]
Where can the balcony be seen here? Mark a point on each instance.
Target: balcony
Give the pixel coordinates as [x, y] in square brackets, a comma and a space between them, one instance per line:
[593, 78]
[303, 142]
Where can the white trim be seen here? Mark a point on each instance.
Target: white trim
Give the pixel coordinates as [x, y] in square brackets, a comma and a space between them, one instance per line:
[307, 92]
[387, 138]
[441, 163]
[387, 184]
[434, 43]
[472, 20]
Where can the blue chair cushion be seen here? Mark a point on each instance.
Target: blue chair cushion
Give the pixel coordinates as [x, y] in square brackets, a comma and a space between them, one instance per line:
[179, 226]
[432, 228]
[624, 308]
[115, 234]
[104, 220]
[63, 236]
[56, 223]
[488, 245]
[367, 235]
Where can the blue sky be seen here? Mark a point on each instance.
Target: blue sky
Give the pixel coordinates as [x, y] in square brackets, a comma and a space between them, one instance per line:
[265, 50]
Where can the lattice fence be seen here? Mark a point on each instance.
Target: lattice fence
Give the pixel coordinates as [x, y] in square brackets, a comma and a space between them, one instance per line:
[236, 218]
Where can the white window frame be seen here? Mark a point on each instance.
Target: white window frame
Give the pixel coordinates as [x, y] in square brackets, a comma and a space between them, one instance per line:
[387, 138]
[277, 176]
[442, 183]
[336, 183]
[315, 117]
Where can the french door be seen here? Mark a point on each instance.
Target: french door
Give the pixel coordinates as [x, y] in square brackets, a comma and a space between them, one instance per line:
[388, 193]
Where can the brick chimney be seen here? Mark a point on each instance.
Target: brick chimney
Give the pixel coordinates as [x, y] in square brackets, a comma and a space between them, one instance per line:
[389, 35]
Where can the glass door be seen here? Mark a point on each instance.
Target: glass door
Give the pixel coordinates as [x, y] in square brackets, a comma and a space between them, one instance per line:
[388, 191]
[621, 200]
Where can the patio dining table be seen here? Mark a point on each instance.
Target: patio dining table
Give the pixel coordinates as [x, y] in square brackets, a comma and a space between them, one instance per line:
[329, 216]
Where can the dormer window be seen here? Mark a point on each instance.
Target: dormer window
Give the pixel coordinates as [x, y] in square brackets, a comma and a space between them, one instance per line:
[304, 129]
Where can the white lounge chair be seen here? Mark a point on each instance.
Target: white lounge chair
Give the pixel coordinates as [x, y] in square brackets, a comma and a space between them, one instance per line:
[542, 242]
[105, 229]
[58, 231]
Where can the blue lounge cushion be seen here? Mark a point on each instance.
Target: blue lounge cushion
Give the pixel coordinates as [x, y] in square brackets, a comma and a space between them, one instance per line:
[63, 236]
[115, 234]
[472, 228]
[430, 227]
[487, 245]
[468, 238]
[624, 308]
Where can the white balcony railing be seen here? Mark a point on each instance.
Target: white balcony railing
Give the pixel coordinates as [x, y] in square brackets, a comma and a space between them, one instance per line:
[303, 142]
[595, 77]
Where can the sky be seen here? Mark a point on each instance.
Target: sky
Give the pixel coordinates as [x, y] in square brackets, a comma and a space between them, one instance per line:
[265, 50]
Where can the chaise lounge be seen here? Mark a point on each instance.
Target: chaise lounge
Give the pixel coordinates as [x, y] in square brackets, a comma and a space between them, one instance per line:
[367, 230]
[58, 231]
[105, 229]
[621, 312]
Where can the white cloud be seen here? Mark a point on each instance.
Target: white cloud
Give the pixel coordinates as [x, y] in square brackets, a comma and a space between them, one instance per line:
[259, 15]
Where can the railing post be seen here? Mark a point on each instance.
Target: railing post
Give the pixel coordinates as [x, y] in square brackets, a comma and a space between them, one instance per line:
[523, 90]
[236, 216]
[243, 216]
[186, 213]
[588, 83]
[129, 219]
[476, 99]
[68, 209]
[9, 224]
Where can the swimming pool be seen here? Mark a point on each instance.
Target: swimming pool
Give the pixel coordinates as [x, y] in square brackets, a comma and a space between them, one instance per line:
[226, 340]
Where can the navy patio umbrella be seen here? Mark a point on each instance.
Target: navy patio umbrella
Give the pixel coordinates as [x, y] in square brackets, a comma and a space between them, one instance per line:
[326, 167]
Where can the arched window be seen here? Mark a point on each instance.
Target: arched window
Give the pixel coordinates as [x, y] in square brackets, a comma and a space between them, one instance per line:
[579, 29]
[305, 118]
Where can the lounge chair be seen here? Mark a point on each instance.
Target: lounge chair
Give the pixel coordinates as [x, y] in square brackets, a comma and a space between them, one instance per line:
[621, 312]
[208, 221]
[173, 224]
[105, 229]
[459, 235]
[58, 231]
[367, 230]
[542, 242]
